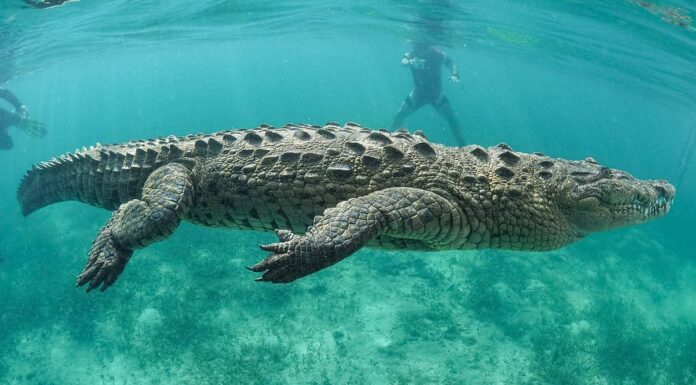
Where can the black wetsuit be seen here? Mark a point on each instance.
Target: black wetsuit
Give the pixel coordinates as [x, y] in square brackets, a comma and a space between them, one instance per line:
[427, 77]
[44, 3]
[7, 118]
[426, 68]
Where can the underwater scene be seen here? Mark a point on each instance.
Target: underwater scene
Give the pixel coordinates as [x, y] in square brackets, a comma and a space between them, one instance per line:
[533, 223]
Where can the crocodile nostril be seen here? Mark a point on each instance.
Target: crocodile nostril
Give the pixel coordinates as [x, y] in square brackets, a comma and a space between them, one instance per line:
[660, 190]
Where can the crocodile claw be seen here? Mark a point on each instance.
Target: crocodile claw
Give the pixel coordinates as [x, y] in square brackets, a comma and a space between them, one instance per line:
[106, 262]
[278, 268]
[291, 258]
[284, 235]
[270, 262]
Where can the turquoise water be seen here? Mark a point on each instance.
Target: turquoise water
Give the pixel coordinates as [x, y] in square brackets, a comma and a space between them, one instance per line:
[610, 79]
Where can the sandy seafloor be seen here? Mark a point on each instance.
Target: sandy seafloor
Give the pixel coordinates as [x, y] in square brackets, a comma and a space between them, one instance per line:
[615, 308]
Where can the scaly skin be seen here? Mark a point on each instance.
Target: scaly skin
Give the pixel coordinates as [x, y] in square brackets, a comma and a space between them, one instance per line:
[328, 191]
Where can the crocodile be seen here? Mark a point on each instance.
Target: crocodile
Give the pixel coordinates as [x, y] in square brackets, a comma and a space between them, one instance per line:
[329, 190]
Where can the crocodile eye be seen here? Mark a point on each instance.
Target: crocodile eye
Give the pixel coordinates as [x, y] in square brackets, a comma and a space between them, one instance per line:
[590, 177]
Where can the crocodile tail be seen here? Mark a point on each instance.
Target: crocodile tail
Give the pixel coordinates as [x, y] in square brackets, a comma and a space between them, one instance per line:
[48, 182]
[101, 176]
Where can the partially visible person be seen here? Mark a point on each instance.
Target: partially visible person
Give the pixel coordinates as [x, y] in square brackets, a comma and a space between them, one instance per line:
[426, 61]
[47, 3]
[669, 14]
[19, 118]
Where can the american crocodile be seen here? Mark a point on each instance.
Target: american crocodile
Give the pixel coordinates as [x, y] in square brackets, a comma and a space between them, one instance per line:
[328, 191]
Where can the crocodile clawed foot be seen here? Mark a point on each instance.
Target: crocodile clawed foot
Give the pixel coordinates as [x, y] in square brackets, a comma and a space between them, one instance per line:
[280, 274]
[106, 262]
[291, 259]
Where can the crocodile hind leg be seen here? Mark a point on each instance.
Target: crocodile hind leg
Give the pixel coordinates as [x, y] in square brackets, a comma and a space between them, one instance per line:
[397, 212]
[165, 199]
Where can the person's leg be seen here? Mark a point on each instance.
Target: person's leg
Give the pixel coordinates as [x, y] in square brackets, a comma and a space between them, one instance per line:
[406, 109]
[5, 139]
[444, 108]
[7, 119]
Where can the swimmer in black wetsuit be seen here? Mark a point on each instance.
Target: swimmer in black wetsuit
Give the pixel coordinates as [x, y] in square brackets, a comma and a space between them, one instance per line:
[47, 3]
[425, 62]
[19, 118]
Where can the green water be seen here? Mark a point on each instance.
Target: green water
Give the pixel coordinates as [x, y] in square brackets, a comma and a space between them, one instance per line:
[608, 79]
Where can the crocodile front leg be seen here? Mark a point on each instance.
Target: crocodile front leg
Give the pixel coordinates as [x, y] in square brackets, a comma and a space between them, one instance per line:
[166, 197]
[397, 212]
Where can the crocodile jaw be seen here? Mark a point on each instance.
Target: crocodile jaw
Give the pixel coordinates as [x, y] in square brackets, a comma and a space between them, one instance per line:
[616, 200]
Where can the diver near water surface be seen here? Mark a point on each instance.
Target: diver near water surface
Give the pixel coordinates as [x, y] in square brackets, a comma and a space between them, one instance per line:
[19, 118]
[426, 62]
[47, 3]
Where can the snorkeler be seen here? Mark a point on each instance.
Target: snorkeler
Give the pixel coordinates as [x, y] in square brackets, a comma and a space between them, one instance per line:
[425, 62]
[19, 118]
[47, 3]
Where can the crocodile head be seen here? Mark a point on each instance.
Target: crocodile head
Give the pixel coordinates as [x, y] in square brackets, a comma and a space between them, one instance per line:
[596, 198]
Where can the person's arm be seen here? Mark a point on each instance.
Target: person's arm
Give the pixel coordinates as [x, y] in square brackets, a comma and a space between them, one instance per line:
[14, 101]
